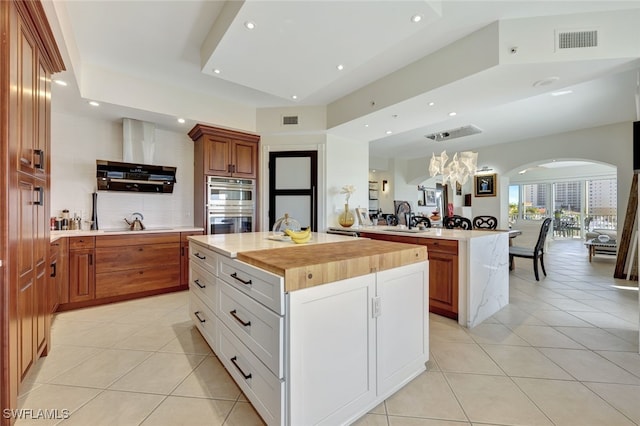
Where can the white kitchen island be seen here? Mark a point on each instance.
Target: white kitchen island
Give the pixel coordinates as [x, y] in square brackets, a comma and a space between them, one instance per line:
[317, 333]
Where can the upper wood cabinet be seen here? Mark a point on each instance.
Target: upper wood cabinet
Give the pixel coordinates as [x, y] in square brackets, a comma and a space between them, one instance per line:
[226, 153]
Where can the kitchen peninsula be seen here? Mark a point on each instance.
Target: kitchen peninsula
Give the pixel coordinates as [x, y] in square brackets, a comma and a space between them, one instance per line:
[316, 333]
[468, 270]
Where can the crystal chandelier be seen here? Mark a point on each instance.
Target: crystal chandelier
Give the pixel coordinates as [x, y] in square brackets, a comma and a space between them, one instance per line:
[459, 169]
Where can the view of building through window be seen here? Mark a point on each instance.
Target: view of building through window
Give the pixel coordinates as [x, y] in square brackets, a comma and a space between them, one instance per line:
[574, 205]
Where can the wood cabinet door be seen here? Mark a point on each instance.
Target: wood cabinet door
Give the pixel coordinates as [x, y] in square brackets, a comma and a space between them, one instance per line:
[26, 315]
[443, 284]
[41, 302]
[244, 159]
[184, 264]
[217, 156]
[82, 276]
[25, 68]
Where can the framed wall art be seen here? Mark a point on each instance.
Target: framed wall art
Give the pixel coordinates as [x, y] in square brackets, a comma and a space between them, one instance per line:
[485, 185]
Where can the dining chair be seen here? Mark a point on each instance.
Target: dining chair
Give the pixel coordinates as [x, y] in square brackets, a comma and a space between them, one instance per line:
[535, 253]
[485, 222]
[455, 221]
[421, 220]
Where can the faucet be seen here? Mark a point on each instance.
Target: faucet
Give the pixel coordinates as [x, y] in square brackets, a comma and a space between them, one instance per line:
[408, 218]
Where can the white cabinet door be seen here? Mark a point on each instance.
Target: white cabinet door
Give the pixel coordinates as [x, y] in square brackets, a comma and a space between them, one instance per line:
[402, 325]
[332, 351]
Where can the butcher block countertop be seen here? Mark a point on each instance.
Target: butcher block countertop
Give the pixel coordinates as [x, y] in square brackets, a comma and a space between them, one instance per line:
[308, 266]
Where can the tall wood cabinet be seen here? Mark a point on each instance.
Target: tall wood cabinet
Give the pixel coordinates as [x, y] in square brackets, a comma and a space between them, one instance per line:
[223, 153]
[28, 57]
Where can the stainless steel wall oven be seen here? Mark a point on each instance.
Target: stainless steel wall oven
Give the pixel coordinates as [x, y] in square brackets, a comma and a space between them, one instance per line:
[231, 205]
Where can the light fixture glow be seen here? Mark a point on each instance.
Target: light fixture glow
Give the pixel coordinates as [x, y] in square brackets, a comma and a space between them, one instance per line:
[181, 120]
[366, 125]
[340, 67]
[294, 97]
[562, 93]
[457, 170]
[216, 71]
[452, 114]
[60, 82]
[388, 132]
[94, 103]
[250, 25]
[432, 103]
[416, 18]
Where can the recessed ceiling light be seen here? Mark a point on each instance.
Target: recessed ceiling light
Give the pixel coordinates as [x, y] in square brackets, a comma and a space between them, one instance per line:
[388, 132]
[60, 82]
[452, 113]
[94, 103]
[416, 18]
[216, 71]
[294, 97]
[250, 25]
[562, 93]
[432, 103]
[181, 120]
[546, 81]
[340, 67]
[366, 125]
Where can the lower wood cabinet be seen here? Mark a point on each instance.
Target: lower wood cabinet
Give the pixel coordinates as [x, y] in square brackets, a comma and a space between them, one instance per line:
[129, 264]
[82, 277]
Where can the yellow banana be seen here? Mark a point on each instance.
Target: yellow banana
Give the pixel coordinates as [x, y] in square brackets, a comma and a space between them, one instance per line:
[298, 234]
[301, 240]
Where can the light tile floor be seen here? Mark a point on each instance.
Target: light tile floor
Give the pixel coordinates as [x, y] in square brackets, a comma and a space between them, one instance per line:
[563, 352]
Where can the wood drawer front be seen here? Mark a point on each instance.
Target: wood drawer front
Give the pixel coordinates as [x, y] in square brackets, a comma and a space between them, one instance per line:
[259, 328]
[109, 259]
[137, 238]
[263, 286]
[443, 246]
[136, 280]
[203, 257]
[204, 284]
[81, 242]
[264, 390]
[204, 319]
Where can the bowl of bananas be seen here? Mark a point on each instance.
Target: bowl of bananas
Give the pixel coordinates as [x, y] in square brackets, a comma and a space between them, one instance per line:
[299, 237]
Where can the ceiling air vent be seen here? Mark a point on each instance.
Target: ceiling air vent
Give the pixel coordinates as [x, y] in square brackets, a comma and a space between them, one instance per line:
[459, 132]
[289, 120]
[577, 39]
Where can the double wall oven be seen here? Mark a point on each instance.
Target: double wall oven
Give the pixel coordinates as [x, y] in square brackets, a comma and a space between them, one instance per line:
[231, 205]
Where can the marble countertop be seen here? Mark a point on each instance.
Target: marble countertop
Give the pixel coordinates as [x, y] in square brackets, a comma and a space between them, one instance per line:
[441, 233]
[88, 233]
[231, 244]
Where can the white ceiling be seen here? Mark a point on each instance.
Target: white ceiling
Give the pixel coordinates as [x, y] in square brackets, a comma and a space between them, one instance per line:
[296, 46]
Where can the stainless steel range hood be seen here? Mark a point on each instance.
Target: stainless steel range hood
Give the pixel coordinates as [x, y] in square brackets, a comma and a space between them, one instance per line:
[133, 177]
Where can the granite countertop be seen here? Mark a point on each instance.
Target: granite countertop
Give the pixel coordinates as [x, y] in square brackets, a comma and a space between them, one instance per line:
[89, 233]
[441, 233]
[230, 244]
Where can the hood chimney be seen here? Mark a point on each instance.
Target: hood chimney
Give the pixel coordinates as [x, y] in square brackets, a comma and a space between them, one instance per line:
[138, 141]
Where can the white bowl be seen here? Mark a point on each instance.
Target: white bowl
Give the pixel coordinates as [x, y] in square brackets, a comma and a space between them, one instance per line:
[603, 238]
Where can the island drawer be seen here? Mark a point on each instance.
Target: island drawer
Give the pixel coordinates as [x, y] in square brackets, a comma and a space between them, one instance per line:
[264, 390]
[204, 284]
[442, 246]
[259, 328]
[204, 257]
[204, 319]
[263, 286]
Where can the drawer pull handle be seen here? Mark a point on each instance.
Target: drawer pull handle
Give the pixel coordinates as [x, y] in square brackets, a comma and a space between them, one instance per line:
[198, 284]
[235, 277]
[233, 360]
[199, 256]
[234, 314]
[197, 314]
